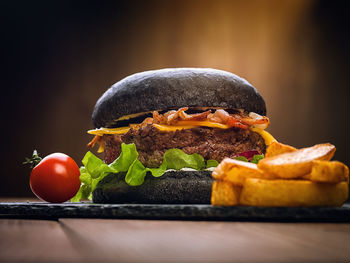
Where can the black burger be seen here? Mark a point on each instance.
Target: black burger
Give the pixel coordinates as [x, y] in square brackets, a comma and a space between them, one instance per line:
[207, 112]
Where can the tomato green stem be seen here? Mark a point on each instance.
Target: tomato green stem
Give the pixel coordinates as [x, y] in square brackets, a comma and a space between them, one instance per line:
[34, 160]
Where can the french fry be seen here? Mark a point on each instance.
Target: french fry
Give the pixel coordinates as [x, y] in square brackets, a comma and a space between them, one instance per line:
[224, 194]
[328, 172]
[236, 172]
[298, 163]
[277, 148]
[260, 192]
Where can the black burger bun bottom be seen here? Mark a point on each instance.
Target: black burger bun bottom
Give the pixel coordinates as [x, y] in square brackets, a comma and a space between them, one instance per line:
[174, 187]
[174, 88]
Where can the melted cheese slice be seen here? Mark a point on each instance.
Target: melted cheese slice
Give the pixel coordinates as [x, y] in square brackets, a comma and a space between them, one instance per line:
[268, 138]
[101, 131]
[162, 127]
[204, 123]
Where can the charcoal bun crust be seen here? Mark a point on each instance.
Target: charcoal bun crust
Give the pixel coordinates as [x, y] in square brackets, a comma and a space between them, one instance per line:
[174, 187]
[174, 88]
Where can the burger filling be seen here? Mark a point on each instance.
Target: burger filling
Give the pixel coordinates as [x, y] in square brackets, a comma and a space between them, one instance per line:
[211, 143]
[214, 134]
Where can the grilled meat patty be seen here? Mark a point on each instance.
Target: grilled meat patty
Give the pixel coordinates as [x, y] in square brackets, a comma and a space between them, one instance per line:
[211, 143]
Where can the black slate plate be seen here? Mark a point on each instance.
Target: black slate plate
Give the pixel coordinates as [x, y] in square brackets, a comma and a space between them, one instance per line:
[175, 212]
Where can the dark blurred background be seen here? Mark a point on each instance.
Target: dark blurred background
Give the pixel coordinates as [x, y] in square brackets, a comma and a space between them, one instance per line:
[58, 57]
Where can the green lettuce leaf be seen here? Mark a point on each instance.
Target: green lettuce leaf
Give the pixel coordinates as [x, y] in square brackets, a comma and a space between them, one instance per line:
[95, 166]
[212, 163]
[136, 174]
[94, 169]
[157, 172]
[177, 159]
[85, 187]
[256, 158]
[241, 158]
[127, 157]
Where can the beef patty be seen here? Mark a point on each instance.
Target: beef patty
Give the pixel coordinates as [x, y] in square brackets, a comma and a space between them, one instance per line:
[211, 143]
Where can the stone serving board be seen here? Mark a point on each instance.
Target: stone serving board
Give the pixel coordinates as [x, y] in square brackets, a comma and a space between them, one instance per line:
[41, 210]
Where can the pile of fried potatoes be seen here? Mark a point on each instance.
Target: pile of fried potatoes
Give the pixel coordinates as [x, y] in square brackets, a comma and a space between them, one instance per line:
[285, 177]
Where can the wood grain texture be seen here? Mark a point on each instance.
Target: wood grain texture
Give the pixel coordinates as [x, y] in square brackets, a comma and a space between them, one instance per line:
[179, 241]
[99, 240]
[35, 241]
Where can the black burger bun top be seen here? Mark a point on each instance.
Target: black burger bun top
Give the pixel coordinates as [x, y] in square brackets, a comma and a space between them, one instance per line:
[174, 88]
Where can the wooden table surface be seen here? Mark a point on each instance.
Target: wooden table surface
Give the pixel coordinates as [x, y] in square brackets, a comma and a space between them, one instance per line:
[114, 240]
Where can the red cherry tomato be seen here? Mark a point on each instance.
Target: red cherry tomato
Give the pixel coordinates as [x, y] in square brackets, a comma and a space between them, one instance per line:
[56, 178]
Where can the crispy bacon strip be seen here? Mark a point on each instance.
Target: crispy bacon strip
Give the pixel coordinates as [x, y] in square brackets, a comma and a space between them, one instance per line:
[168, 113]
[234, 122]
[158, 118]
[240, 120]
[174, 116]
[256, 120]
[194, 117]
[220, 116]
[144, 123]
